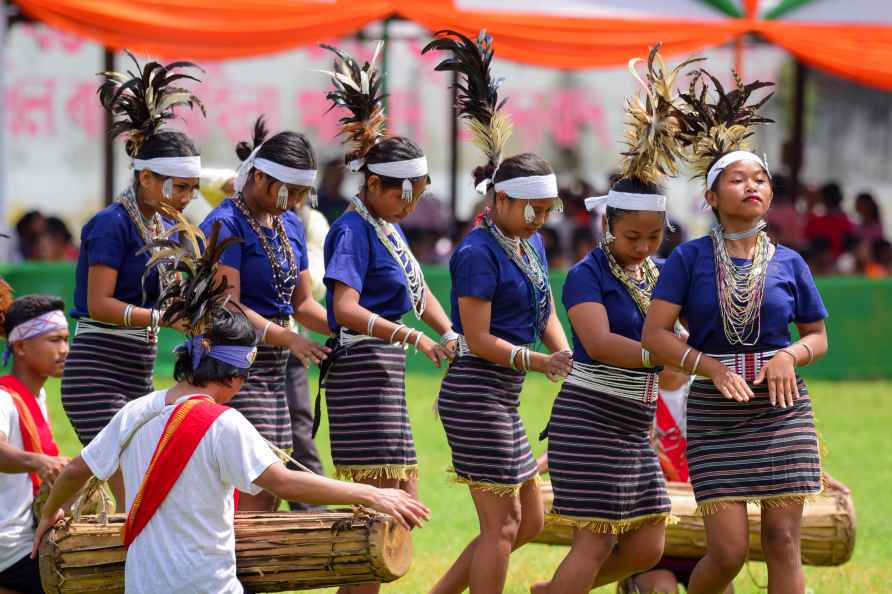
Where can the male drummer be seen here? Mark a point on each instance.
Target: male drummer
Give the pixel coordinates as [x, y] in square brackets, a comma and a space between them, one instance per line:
[36, 334]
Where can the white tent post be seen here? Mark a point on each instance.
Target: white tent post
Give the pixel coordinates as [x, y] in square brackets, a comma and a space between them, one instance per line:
[3, 22]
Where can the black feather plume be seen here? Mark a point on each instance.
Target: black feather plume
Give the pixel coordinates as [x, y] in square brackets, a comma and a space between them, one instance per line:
[142, 101]
[478, 90]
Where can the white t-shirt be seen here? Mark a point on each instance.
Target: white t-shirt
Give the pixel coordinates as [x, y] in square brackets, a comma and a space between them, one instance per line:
[16, 494]
[188, 546]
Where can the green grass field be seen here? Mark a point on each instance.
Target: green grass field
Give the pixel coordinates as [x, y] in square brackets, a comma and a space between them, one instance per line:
[854, 418]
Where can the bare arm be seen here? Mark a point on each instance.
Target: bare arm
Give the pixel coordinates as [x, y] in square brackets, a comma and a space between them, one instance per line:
[350, 314]
[102, 305]
[307, 311]
[307, 487]
[553, 336]
[73, 478]
[659, 338]
[276, 335]
[592, 326]
[476, 315]
[780, 372]
[14, 460]
[434, 314]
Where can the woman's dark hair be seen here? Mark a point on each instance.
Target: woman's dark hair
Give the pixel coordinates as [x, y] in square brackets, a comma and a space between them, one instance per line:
[27, 308]
[290, 149]
[227, 328]
[628, 185]
[831, 195]
[522, 165]
[867, 200]
[395, 148]
[57, 228]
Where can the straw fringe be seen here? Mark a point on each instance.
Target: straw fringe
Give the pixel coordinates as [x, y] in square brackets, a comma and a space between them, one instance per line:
[715, 505]
[497, 489]
[402, 472]
[607, 526]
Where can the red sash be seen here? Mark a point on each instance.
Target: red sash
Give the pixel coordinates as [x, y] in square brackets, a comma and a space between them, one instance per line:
[672, 445]
[37, 435]
[188, 423]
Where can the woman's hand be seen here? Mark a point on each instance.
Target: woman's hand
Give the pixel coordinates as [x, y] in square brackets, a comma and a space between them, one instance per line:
[47, 521]
[555, 366]
[434, 350]
[306, 350]
[732, 386]
[451, 347]
[780, 374]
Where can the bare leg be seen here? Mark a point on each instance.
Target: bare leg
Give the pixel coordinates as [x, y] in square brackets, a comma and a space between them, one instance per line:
[727, 544]
[577, 571]
[781, 543]
[116, 484]
[660, 581]
[635, 552]
[409, 486]
[457, 578]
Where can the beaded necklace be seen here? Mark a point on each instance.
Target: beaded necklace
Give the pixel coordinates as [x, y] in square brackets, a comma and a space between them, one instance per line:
[397, 248]
[529, 264]
[640, 291]
[741, 288]
[284, 281]
[149, 231]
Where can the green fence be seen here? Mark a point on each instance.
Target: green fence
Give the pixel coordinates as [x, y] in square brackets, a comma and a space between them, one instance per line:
[860, 323]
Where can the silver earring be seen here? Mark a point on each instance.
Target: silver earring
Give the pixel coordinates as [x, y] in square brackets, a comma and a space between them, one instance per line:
[407, 190]
[313, 198]
[167, 188]
[282, 197]
[609, 236]
[529, 214]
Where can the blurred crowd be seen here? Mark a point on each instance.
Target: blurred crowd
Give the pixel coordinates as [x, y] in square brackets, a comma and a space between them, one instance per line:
[836, 234]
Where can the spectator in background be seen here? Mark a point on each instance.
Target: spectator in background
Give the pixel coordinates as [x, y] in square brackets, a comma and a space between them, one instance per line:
[61, 240]
[870, 226]
[554, 252]
[331, 202]
[830, 222]
[819, 257]
[582, 242]
[785, 222]
[674, 236]
[424, 227]
[880, 262]
[29, 228]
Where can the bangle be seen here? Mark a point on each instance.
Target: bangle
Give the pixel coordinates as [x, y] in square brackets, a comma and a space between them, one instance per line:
[155, 316]
[514, 350]
[792, 356]
[527, 358]
[128, 312]
[811, 353]
[645, 358]
[265, 331]
[448, 336]
[395, 332]
[696, 363]
[685, 356]
[370, 325]
[418, 339]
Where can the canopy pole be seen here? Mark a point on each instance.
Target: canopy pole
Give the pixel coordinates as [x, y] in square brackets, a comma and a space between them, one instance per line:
[453, 153]
[3, 30]
[385, 59]
[108, 173]
[797, 154]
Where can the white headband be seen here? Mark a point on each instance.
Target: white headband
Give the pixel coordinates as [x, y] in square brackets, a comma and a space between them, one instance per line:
[728, 160]
[282, 173]
[532, 187]
[407, 169]
[170, 166]
[628, 201]
[51, 321]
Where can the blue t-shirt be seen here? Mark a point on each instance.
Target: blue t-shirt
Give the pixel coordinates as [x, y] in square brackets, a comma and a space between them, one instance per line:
[111, 239]
[356, 257]
[688, 279]
[251, 260]
[590, 280]
[480, 268]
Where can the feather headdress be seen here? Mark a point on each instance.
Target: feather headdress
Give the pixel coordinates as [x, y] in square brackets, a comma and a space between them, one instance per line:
[652, 126]
[713, 124]
[142, 101]
[193, 295]
[478, 94]
[357, 89]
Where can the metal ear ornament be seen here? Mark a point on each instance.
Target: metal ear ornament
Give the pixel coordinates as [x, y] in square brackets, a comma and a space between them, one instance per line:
[282, 198]
[407, 190]
[529, 214]
[167, 189]
[313, 198]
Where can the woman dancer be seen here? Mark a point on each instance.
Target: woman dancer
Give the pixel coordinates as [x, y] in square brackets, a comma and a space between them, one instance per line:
[372, 280]
[751, 435]
[267, 275]
[501, 306]
[112, 355]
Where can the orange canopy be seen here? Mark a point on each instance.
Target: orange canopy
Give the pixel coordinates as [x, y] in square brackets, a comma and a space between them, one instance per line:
[216, 29]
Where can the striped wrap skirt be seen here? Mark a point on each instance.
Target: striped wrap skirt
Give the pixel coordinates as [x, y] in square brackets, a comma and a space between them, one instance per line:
[262, 398]
[604, 471]
[368, 420]
[107, 367]
[751, 451]
[478, 405]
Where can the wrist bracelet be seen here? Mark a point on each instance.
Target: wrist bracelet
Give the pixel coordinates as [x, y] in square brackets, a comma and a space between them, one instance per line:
[811, 353]
[265, 331]
[395, 332]
[370, 325]
[448, 336]
[696, 363]
[684, 357]
[128, 312]
[792, 356]
[645, 358]
[514, 350]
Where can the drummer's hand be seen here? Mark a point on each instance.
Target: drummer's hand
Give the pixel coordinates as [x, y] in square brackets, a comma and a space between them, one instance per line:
[49, 467]
[834, 485]
[781, 377]
[46, 522]
[731, 385]
[405, 509]
[306, 350]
